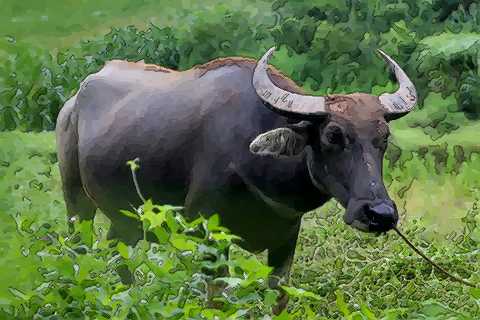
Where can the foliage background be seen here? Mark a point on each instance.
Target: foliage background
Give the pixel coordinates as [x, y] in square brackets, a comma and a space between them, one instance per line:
[431, 168]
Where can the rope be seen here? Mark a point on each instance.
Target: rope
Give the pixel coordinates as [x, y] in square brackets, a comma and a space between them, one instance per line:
[451, 276]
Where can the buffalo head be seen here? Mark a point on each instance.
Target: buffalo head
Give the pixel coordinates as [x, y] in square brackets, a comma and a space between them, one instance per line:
[344, 137]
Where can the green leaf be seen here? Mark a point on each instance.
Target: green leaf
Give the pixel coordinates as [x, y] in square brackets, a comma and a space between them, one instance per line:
[367, 312]
[475, 292]
[181, 242]
[300, 293]
[172, 223]
[271, 297]
[161, 234]
[155, 219]
[130, 214]
[85, 228]
[282, 316]
[213, 222]
[123, 250]
[341, 304]
[219, 236]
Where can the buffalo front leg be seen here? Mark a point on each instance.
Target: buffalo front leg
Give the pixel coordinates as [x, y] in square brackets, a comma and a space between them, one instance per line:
[281, 260]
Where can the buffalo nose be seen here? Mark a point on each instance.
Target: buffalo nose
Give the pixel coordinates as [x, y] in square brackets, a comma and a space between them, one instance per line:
[382, 216]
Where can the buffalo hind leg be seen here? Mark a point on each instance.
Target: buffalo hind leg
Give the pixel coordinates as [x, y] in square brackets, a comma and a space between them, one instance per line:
[281, 260]
[77, 201]
[79, 206]
[125, 229]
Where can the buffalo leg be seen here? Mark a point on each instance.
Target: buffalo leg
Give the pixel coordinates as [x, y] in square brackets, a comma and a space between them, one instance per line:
[125, 229]
[76, 199]
[281, 260]
[79, 205]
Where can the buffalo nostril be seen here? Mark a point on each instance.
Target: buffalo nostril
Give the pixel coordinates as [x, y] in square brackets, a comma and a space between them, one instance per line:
[383, 210]
[382, 214]
[369, 212]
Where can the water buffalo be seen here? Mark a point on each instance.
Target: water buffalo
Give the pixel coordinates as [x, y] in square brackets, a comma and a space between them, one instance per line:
[233, 137]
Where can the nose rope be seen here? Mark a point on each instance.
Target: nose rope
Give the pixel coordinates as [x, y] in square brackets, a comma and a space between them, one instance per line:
[439, 268]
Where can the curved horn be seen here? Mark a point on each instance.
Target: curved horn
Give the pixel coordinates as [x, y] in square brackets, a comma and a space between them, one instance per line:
[283, 101]
[405, 98]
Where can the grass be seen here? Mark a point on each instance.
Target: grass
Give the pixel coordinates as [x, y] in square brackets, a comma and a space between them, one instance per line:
[377, 275]
[55, 24]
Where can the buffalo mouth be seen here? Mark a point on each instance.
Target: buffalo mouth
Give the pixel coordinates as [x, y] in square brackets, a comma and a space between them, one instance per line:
[370, 227]
[371, 216]
[360, 225]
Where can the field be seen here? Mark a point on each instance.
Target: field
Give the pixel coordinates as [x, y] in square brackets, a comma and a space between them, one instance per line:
[432, 166]
[59, 25]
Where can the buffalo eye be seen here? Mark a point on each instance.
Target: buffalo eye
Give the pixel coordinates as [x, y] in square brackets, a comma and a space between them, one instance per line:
[333, 137]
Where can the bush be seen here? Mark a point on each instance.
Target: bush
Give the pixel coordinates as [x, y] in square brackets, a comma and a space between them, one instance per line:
[338, 272]
[80, 277]
[330, 45]
[35, 83]
[344, 274]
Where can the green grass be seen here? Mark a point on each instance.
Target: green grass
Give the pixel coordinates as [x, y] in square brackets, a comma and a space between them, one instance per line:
[56, 24]
[374, 275]
[449, 43]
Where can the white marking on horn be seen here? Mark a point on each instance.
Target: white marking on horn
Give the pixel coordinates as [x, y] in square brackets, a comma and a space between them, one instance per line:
[284, 100]
[405, 98]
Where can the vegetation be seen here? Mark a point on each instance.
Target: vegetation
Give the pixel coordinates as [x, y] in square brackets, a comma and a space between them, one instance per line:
[325, 46]
[432, 166]
[338, 272]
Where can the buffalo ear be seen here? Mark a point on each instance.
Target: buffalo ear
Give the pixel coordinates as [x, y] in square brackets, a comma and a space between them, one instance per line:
[279, 143]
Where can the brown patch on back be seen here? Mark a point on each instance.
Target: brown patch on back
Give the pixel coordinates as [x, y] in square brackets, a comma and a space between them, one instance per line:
[140, 65]
[225, 62]
[157, 68]
[277, 77]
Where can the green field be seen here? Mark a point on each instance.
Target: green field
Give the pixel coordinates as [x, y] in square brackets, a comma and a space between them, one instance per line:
[60, 24]
[432, 167]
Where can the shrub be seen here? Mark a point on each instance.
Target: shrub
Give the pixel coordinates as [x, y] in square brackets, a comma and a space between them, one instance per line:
[338, 272]
[330, 44]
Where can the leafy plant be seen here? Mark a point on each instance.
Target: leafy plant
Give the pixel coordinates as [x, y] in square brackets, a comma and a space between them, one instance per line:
[325, 46]
[338, 272]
